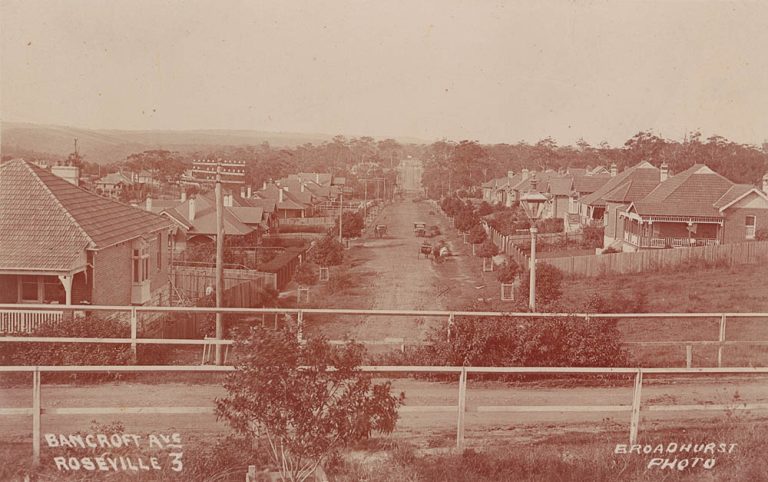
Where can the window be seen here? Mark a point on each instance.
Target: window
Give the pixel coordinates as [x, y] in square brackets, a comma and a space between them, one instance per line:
[140, 263]
[29, 289]
[751, 223]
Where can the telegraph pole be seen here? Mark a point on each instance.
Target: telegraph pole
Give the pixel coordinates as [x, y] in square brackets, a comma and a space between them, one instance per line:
[219, 262]
[341, 214]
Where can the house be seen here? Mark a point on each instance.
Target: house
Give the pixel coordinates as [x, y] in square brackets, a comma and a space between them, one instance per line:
[601, 208]
[147, 178]
[62, 244]
[697, 207]
[289, 204]
[113, 184]
[195, 218]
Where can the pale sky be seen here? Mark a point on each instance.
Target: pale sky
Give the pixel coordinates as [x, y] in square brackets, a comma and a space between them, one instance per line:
[491, 71]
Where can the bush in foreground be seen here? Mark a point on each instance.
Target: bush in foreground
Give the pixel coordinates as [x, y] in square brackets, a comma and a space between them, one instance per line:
[284, 395]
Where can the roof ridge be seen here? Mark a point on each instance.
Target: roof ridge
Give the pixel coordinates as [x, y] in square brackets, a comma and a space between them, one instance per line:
[56, 200]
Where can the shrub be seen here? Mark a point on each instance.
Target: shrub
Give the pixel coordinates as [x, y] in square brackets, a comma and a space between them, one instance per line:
[762, 234]
[352, 225]
[551, 225]
[507, 341]
[508, 272]
[283, 393]
[477, 234]
[488, 249]
[484, 209]
[307, 274]
[328, 252]
[466, 220]
[593, 237]
[81, 353]
[549, 282]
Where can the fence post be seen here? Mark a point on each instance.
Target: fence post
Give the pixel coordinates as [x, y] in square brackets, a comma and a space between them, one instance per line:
[134, 331]
[721, 339]
[36, 411]
[462, 408]
[300, 325]
[636, 395]
[450, 325]
[689, 356]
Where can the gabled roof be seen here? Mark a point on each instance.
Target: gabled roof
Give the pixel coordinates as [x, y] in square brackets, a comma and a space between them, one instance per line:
[697, 191]
[289, 201]
[248, 215]
[115, 178]
[560, 186]
[735, 192]
[267, 205]
[205, 218]
[322, 178]
[644, 176]
[587, 184]
[46, 223]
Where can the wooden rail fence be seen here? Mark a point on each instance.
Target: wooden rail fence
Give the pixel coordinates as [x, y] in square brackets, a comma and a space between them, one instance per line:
[634, 407]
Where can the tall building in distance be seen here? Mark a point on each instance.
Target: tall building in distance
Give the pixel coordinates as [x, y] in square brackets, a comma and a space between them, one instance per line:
[232, 171]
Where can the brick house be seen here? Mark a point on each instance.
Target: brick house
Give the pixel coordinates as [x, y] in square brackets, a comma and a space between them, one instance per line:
[697, 207]
[62, 244]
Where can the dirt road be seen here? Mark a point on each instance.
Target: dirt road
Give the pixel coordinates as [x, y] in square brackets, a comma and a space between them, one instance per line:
[436, 428]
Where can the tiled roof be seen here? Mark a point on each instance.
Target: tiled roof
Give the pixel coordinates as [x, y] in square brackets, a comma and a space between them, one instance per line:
[289, 202]
[268, 205]
[560, 186]
[644, 173]
[734, 193]
[248, 215]
[693, 192]
[588, 184]
[205, 218]
[46, 223]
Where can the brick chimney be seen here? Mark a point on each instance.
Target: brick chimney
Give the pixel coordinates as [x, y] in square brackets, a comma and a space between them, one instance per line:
[183, 195]
[302, 187]
[280, 195]
[191, 208]
[249, 192]
[614, 169]
[242, 191]
[149, 202]
[525, 173]
[664, 171]
[510, 174]
[765, 183]
[317, 177]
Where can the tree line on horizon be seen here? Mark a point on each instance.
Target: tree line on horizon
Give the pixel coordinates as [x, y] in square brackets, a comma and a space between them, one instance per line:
[451, 165]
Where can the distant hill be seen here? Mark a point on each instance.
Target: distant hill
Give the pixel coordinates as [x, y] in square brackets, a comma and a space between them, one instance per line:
[107, 145]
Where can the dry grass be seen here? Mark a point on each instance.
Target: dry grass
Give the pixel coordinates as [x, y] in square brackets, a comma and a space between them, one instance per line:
[574, 457]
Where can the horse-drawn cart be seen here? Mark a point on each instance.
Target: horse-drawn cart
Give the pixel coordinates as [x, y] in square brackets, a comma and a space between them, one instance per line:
[420, 229]
[380, 230]
[425, 249]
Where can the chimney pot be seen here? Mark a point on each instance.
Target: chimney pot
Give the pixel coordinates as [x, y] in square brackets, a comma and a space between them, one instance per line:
[664, 172]
[191, 209]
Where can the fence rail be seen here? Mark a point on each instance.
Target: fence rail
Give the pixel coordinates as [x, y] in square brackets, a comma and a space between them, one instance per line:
[460, 409]
[449, 316]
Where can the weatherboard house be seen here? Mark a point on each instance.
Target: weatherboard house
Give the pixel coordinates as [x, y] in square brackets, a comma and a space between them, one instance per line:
[696, 207]
[62, 244]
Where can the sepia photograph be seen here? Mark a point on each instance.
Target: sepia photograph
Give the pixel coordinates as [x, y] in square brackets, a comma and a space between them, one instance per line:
[383, 241]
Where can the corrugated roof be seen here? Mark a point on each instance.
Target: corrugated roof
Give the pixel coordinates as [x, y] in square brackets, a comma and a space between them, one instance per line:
[46, 222]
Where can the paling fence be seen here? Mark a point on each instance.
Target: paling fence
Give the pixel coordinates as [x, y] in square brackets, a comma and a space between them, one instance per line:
[644, 260]
[634, 405]
[191, 283]
[653, 259]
